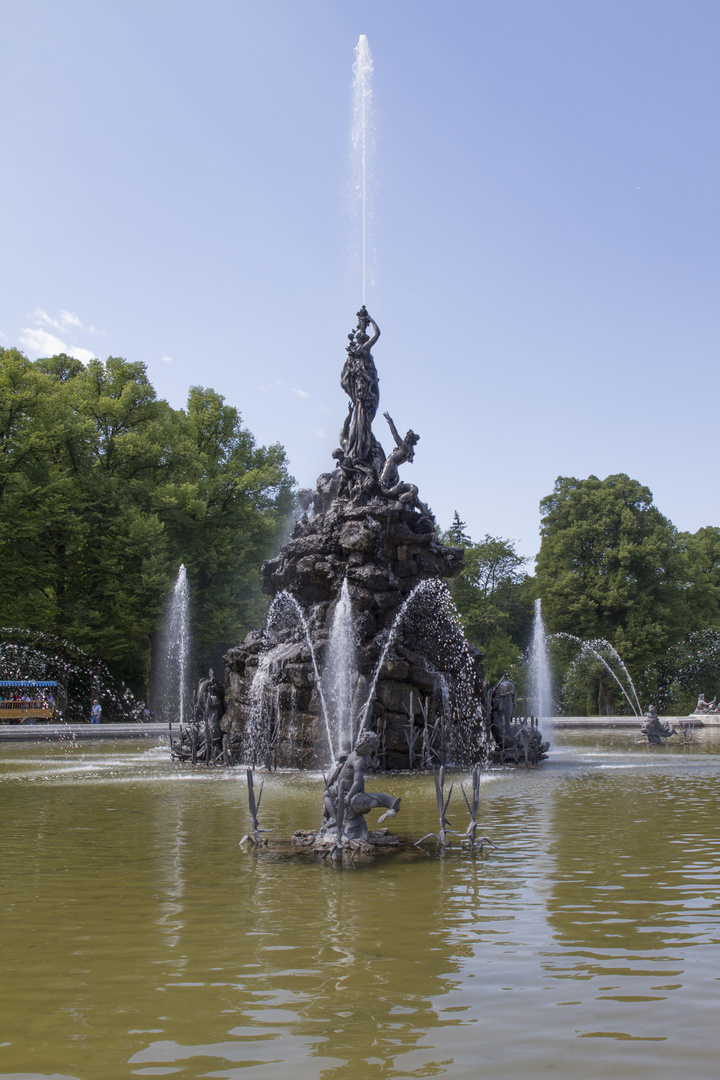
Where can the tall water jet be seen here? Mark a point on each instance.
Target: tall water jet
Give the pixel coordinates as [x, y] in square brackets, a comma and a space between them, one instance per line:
[175, 646]
[362, 138]
[340, 675]
[541, 691]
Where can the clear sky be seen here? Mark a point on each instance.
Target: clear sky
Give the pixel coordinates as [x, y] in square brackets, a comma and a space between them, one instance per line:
[176, 188]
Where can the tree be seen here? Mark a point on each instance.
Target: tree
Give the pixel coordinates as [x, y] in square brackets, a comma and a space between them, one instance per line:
[224, 519]
[456, 536]
[610, 567]
[701, 557]
[105, 489]
[492, 598]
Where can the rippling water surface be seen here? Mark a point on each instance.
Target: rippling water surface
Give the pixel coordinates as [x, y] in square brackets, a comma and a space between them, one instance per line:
[138, 939]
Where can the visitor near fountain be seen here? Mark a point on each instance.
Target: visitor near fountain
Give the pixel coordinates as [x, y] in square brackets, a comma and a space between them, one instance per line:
[95, 712]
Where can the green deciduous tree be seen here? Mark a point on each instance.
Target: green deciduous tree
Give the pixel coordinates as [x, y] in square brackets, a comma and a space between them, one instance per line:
[104, 490]
[610, 566]
[229, 513]
[701, 557]
[492, 597]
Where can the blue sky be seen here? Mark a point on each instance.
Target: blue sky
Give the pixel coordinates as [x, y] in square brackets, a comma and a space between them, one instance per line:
[176, 188]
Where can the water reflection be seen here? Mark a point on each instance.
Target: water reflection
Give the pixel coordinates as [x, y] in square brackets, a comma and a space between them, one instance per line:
[139, 939]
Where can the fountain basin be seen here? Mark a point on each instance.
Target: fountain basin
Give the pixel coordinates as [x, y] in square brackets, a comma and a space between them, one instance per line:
[137, 937]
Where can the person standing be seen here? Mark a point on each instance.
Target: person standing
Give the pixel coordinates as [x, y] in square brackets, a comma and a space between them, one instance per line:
[95, 712]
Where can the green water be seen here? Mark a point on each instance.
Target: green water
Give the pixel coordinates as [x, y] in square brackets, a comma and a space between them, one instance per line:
[138, 939]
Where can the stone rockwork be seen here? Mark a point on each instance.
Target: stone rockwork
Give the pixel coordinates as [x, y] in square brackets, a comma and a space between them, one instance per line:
[384, 549]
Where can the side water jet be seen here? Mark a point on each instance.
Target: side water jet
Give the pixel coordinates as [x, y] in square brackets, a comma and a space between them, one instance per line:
[33, 654]
[541, 691]
[340, 675]
[175, 648]
[592, 648]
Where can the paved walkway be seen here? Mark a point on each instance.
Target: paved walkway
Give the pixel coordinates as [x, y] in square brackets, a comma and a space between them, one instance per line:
[626, 721]
[54, 732]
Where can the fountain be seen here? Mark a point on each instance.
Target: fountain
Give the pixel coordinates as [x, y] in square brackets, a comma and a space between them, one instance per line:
[607, 655]
[361, 628]
[175, 697]
[33, 654]
[361, 633]
[541, 690]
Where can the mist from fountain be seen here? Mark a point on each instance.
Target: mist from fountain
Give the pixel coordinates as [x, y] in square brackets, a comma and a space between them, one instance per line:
[541, 689]
[443, 637]
[32, 654]
[362, 138]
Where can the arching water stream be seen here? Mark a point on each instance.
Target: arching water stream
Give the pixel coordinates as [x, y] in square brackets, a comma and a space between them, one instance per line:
[138, 939]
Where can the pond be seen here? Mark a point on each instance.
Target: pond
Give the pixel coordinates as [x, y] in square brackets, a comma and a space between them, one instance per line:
[138, 938]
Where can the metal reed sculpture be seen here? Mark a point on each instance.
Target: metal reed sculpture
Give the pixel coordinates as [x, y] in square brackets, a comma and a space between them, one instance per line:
[255, 836]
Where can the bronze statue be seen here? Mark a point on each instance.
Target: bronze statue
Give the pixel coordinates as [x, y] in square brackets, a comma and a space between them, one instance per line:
[359, 380]
[210, 709]
[653, 728]
[390, 477]
[502, 709]
[518, 741]
[346, 787]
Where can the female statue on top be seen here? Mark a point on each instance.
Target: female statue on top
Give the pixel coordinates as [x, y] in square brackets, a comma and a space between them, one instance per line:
[359, 380]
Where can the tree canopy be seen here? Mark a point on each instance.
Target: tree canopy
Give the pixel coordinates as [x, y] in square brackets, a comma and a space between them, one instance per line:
[608, 566]
[105, 490]
[492, 598]
[611, 566]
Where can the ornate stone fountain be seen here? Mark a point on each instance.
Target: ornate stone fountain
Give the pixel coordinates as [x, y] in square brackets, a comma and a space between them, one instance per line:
[361, 633]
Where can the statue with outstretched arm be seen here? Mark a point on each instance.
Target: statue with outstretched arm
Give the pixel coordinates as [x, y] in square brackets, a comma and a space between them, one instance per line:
[390, 476]
[360, 382]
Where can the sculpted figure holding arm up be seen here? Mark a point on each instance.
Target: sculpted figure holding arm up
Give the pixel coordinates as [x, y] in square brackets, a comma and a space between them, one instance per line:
[390, 477]
[359, 380]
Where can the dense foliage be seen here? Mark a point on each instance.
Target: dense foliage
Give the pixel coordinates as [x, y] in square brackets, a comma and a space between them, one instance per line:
[494, 598]
[612, 567]
[105, 490]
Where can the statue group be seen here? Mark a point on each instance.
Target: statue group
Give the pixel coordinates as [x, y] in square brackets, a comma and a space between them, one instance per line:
[704, 706]
[203, 740]
[516, 740]
[363, 469]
